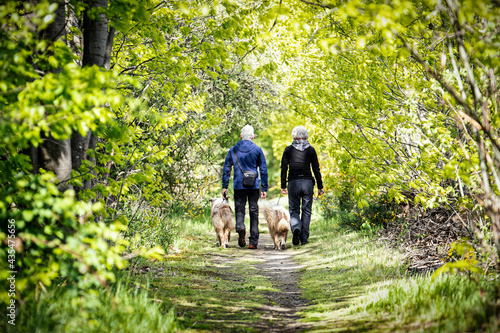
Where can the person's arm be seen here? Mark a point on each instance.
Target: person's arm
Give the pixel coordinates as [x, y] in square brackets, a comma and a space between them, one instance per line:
[284, 170]
[226, 172]
[317, 173]
[263, 173]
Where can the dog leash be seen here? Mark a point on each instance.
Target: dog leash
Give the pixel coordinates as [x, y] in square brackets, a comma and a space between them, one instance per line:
[279, 199]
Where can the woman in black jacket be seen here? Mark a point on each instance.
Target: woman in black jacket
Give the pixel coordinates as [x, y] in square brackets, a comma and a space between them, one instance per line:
[297, 160]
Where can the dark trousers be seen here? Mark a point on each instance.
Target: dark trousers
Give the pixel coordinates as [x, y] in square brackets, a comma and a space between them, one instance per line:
[240, 201]
[300, 189]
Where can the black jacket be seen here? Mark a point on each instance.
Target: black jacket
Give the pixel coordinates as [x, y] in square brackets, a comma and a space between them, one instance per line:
[298, 164]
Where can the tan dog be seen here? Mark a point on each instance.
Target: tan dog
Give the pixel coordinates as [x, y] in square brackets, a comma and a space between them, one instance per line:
[278, 221]
[223, 220]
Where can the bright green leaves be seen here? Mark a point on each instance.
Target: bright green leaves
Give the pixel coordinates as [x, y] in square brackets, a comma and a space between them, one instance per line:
[44, 96]
[47, 228]
[52, 57]
[177, 89]
[377, 114]
[59, 103]
[464, 260]
[192, 92]
[122, 12]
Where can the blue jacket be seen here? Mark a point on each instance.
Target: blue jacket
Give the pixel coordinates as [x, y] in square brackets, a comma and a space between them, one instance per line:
[251, 157]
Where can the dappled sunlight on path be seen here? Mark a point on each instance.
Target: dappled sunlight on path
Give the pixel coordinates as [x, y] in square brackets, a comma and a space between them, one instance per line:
[285, 298]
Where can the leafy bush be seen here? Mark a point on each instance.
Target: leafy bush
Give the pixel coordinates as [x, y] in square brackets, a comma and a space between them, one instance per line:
[150, 227]
[50, 241]
[463, 256]
[342, 209]
[329, 206]
[379, 211]
[49, 231]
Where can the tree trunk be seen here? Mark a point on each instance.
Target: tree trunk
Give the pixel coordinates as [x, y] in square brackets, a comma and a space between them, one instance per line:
[34, 153]
[58, 156]
[56, 29]
[97, 45]
[95, 36]
[54, 155]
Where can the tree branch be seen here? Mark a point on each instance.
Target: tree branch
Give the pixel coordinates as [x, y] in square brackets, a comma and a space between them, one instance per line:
[318, 4]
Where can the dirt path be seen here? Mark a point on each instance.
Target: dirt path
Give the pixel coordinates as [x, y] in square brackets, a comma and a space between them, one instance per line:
[283, 271]
[280, 315]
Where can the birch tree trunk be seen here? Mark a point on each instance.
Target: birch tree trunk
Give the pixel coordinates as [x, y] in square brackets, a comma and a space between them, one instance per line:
[63, 156]
[97, 45]
[54, 155]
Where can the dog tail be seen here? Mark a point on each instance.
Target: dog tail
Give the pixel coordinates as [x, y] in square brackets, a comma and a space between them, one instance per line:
[268, 211]
[283, 225]
[227, 216]
[284, 219]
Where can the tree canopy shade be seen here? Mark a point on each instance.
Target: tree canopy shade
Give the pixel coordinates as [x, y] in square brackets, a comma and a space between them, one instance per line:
[404, 95]
[108, 107]
[108, 104]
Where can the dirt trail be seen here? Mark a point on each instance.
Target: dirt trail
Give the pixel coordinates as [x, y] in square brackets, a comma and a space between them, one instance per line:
[283, 272]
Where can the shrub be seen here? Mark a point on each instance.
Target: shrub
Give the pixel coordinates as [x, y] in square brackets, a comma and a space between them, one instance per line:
[378, 212]
[50, 233]
[150, 227]
[342, 209]
[50, 241]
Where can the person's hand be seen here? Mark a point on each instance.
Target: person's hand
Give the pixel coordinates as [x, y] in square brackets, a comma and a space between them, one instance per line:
[263, 195]
[284, 191]
[224, 192]
[320, 192]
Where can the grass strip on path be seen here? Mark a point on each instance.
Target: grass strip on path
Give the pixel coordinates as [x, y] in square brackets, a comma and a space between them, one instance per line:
[210, 289]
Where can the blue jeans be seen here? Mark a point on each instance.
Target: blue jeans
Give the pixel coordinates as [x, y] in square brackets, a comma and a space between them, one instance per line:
[240, 200]
[300, 189]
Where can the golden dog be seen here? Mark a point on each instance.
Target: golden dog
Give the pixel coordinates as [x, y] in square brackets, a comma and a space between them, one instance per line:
[222, 219]
[278, 221]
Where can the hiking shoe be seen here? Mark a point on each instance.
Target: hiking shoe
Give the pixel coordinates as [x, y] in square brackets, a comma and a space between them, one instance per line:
[296, 237]
[252, 247]
[304, 243]
[241, 240]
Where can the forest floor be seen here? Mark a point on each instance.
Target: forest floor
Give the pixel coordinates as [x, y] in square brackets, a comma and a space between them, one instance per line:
[342, 281]
[242, 290]
[229, 290]
[280, 311]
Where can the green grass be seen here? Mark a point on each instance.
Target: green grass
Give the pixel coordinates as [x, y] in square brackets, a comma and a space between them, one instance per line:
[353, 281]
[449, 303]
[198, 287]
[121, 309]
[210, 289]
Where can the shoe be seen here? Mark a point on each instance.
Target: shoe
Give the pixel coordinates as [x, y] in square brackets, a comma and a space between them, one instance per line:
[304, 243]
[241, 240]
[252, 247]
[296, 237]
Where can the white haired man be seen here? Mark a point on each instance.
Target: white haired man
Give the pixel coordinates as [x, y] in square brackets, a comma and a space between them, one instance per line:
[297, 160]
[246, 157]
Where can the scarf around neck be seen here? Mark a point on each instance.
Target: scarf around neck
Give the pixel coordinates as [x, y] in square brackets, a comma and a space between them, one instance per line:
[301, 145]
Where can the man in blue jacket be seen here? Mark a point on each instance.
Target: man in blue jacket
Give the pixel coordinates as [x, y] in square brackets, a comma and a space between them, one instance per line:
[246, 157]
